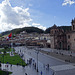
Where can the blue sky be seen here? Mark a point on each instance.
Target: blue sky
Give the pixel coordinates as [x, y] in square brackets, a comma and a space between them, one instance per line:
[39, 13]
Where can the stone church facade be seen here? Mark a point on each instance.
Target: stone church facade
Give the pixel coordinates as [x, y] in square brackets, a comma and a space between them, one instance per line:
[61, 39]
[71, 37]
[58, 38]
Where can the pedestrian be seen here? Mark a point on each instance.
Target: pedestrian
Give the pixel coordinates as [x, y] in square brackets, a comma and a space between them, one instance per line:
[25, 73]
[48, 66]
[35, 65]
[17, 64]
[7, 66]
[41, 72]
[0, 65]
[53, 73]
[27, 61]
[11, 65]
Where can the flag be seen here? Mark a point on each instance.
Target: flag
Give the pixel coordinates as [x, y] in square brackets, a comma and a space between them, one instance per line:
[9, 36]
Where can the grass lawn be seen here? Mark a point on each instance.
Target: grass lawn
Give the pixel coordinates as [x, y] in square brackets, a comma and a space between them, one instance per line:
[12, 59]
[5, 72]
[8, 49]
[1, 50]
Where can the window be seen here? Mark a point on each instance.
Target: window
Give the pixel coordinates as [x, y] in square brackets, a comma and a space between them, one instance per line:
[55, 31]
[73, 27]
[68, 36]
[52, 32]
[60, 37]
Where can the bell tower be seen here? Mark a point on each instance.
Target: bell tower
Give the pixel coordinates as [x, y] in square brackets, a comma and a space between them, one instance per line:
[73, 24]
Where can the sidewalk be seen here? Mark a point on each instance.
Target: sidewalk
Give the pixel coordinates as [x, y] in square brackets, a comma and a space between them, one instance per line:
[52, 61]
[61, 56]
[65, 52]
[19, 70]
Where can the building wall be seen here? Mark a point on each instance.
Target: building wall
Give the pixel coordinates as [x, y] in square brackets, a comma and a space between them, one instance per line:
[58, 38]
[71, 37]
[52, 42]
[71, 41]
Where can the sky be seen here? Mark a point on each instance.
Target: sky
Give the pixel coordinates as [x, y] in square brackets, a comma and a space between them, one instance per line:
[37, 13]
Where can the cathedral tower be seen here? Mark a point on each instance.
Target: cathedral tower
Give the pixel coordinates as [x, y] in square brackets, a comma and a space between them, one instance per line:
[73, 24]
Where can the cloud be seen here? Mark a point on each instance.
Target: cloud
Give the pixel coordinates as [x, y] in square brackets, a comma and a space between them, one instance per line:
[13, 17]
[35, 24]
[39, 26]
[70, 2]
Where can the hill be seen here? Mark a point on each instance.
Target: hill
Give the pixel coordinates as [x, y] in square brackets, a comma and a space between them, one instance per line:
[27, 29]
[34, 29]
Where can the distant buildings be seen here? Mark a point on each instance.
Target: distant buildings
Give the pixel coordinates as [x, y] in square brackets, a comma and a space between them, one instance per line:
[28, 39]
[59, 38]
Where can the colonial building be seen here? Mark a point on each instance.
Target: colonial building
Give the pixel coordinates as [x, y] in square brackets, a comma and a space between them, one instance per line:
[58, 38]
[71, 37]
[63, 39]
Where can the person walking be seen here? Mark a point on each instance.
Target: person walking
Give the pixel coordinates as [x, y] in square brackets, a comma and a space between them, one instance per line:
[11, 65]
[53, 73]
[48, 66]
[25, 73]
[41, 72]
[0, 65]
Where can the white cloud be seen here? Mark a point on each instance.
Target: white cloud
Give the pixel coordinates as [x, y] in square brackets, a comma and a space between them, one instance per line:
[13, 17]
[39, 26]
[35, 24]
[70, 2]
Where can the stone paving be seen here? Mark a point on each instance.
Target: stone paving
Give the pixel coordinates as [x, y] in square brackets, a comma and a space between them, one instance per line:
[19, 70]
[65, 52]
[63, 69]
[68, 57]
[67, 69]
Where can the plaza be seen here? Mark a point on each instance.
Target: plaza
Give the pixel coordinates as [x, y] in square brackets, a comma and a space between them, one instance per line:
[43, 60]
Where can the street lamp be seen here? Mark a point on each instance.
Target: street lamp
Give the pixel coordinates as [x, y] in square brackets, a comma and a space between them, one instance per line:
[37, 51]
[37, 60]
[3, 60]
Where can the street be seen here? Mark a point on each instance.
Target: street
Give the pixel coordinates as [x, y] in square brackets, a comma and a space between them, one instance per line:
[39, 63]
[43, 60]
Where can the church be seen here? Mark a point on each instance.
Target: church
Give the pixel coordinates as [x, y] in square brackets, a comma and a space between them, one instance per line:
[63, 37]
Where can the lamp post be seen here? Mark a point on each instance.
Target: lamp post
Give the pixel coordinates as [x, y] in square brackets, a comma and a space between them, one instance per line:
[37, 51]
[3, 60]
[37, 60]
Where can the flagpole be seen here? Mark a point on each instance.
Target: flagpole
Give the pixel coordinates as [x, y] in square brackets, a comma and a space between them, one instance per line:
[11, 46]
